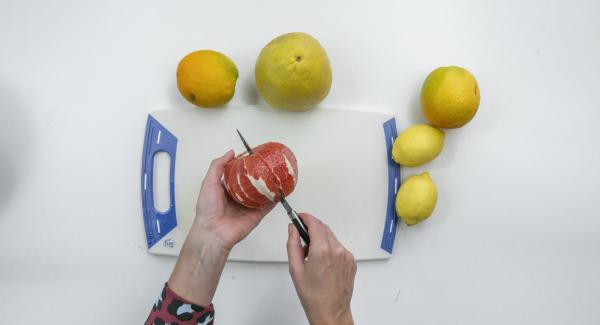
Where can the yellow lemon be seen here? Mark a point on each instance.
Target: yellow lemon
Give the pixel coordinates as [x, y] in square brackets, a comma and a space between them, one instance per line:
[417, 145]
[450, 97]
[206, 78]
[293, 72]
[416, 199]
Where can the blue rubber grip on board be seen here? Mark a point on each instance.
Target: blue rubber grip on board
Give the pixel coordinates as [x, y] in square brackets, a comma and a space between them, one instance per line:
[391, 221]
[157, 139]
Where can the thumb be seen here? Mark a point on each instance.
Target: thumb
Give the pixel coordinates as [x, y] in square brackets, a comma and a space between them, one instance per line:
[295, 251]
[215, 171]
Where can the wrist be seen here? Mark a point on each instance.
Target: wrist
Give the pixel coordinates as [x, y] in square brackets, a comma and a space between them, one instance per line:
[199, 267]
[202, 240]
[208, 232]
[346, 319]
[342, 318]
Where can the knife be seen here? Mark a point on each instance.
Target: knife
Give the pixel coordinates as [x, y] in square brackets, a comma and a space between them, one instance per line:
[296, 220]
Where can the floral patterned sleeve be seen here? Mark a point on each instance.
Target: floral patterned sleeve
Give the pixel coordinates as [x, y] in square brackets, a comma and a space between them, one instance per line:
[171, 309]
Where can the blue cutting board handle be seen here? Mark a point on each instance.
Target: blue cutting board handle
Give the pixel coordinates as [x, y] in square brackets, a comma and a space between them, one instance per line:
[391, 221]
[157, 139]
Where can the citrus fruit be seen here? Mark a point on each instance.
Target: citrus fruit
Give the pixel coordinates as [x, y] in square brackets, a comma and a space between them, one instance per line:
[416, 199]
[450, 97]
[292, 72]
[206, 78]
[417, 145]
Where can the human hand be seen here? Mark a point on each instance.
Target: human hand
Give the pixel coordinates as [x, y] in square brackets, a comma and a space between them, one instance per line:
[220, 224]
[325, 279]
[220, 218]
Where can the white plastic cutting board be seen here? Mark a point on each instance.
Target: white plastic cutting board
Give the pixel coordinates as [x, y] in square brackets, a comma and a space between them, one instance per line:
[343, 173]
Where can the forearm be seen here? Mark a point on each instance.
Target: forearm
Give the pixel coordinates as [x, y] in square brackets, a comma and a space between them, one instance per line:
[199, 266]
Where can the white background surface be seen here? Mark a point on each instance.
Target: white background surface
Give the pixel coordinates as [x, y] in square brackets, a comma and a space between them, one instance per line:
[515, 236]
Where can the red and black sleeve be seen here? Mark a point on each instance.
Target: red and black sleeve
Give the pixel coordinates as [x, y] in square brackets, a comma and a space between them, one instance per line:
[169, 308]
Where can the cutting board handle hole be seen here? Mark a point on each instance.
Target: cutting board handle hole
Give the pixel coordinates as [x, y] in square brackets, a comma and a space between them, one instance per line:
[161, 193]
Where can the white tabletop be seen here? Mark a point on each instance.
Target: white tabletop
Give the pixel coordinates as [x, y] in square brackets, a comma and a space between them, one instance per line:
[515, 235]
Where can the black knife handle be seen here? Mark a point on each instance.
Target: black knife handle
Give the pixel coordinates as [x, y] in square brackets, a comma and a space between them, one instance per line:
[302, 229]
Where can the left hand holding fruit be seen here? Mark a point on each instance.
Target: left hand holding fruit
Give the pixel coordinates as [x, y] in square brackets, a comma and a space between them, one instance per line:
[217, 215]
[220, 224]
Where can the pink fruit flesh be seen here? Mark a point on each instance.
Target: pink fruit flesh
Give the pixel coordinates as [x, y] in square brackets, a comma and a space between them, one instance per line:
[230, 176]
[258, 200]
[254, 180]
[279, 164]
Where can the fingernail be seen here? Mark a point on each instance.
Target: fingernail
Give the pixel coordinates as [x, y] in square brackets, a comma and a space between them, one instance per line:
[228, 151]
